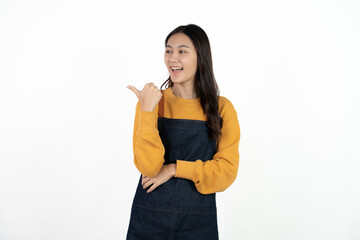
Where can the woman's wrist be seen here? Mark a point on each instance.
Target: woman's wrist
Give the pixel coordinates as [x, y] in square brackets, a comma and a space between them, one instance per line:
[172, 167]
[147, 109]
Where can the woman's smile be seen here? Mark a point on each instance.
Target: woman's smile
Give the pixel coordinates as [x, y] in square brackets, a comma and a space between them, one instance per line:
[176, 70]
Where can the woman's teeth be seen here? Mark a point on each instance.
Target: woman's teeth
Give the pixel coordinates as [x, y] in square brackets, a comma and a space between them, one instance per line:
[176, 69]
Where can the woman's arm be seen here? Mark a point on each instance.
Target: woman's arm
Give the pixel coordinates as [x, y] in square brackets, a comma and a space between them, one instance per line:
[147, 145]
[219, 173]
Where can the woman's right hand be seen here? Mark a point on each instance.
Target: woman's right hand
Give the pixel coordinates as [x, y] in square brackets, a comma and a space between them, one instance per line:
[149, 96]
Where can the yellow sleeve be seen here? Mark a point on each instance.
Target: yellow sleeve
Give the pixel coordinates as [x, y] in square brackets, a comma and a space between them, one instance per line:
[219, 173]
[147, 145]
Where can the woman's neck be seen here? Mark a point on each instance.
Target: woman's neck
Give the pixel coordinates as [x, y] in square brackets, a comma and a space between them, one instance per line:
[184, 91]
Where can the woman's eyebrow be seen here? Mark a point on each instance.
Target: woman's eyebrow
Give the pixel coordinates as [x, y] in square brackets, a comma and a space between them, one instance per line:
[168, 46]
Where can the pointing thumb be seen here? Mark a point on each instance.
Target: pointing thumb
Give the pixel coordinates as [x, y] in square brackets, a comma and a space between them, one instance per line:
[134, 89]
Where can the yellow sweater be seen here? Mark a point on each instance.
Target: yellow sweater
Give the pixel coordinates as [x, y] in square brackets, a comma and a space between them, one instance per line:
[210, 176]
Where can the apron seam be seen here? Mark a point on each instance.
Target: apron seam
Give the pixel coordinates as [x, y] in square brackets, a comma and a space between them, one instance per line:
[172, 211]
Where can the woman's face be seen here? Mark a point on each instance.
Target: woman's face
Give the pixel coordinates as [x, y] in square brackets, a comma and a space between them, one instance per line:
[181, 59]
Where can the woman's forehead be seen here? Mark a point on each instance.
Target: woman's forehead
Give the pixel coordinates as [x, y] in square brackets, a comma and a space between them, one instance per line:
[179, 40]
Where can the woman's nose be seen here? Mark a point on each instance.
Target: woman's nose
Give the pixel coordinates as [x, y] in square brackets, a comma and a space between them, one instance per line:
[174, 58]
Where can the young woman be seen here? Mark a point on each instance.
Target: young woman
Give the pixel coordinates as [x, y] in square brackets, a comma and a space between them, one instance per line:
[185, 142]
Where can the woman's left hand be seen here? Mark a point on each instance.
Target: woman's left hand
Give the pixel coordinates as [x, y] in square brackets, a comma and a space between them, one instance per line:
[166, 172]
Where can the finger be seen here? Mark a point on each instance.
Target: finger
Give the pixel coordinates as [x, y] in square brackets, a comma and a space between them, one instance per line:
[135, 90]
[145, 180]
[152, 188]
[142, 179]
[148, 184]
[150, 85]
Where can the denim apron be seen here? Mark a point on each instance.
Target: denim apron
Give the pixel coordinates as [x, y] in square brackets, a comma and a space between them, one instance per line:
[175, 209]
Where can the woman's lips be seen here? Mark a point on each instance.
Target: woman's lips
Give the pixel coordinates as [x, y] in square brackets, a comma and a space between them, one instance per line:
[176, 70]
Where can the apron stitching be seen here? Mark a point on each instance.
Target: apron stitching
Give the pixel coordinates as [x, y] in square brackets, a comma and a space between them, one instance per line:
[163, 210]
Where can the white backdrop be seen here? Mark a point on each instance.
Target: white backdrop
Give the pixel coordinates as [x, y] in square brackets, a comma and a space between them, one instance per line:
[291, 69]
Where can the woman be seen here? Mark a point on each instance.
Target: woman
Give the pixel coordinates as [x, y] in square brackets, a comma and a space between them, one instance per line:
[185, 142]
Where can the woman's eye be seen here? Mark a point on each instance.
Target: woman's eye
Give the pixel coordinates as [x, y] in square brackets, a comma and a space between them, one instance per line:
[181, 51]
[167, 51]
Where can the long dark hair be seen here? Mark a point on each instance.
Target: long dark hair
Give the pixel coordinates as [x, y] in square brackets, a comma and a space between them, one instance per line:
[205, 84]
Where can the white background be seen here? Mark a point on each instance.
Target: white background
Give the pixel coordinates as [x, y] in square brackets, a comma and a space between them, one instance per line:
[291, 69]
